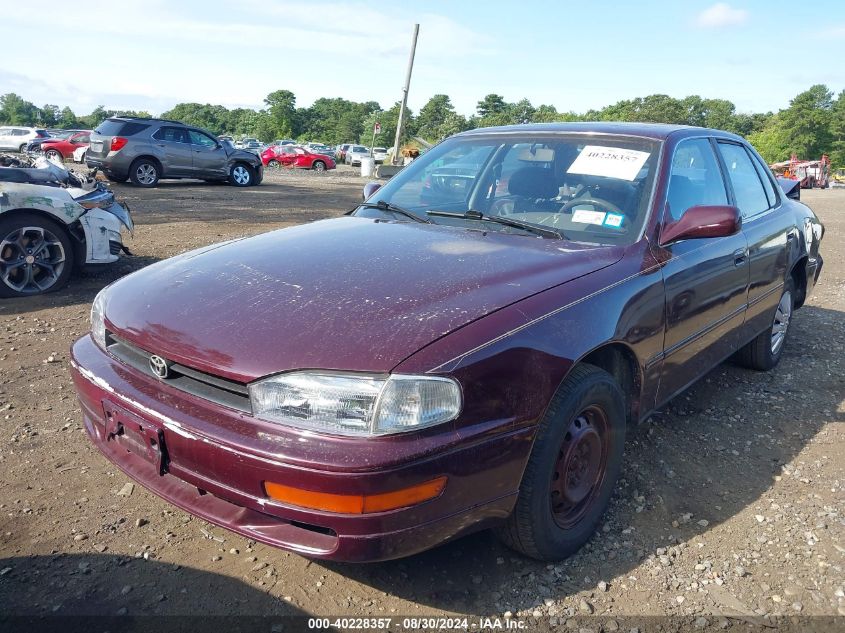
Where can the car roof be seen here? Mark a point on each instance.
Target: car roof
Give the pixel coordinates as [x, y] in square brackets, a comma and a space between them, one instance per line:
[146, 118]
[660, 131]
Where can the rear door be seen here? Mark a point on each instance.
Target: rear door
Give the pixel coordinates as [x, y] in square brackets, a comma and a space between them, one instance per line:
[209, 159]
[174, 148]
[767, 230]
[706, 279]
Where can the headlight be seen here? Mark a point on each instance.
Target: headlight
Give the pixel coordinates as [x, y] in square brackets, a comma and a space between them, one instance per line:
[98, 315]
[347, 404]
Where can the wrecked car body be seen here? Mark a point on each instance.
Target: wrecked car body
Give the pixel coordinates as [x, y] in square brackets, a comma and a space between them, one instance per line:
[51, 222]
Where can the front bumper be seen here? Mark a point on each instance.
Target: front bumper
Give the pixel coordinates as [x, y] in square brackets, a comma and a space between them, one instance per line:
[217, 460]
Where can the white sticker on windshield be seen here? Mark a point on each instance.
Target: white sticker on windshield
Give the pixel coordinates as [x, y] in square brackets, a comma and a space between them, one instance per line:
[588, 217]
[610, 162]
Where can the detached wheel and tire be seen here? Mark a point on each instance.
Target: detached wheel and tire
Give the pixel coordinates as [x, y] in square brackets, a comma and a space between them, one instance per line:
[573, 468]
[319, 166]
[144, 173]
[764, 352]
[241, 175]
[36, 256]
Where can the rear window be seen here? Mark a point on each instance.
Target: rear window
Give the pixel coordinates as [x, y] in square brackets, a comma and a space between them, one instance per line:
[115, 127]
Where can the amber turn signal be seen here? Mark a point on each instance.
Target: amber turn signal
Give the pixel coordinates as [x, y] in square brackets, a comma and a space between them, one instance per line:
[355, 504]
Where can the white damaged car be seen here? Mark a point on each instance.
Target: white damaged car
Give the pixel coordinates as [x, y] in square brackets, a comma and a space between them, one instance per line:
[53, 221]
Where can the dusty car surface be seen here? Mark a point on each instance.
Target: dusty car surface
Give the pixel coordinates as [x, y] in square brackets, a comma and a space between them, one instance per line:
[52, 221]
[367, 387]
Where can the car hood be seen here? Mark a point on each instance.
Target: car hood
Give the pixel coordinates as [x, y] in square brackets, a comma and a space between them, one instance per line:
[244, 155]
[349, 293]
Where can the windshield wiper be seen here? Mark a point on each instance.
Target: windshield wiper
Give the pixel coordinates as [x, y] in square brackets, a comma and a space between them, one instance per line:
[381, 205]
[517, 224]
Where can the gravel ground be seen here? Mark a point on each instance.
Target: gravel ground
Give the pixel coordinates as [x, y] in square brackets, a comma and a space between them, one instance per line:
[729, 511]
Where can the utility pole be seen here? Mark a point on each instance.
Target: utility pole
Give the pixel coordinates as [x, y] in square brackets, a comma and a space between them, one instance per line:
[405, 95]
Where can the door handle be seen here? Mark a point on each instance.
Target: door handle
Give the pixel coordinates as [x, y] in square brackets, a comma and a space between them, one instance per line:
[740, 256]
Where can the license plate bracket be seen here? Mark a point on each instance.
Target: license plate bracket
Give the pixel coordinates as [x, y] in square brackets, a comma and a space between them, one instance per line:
[136, 435]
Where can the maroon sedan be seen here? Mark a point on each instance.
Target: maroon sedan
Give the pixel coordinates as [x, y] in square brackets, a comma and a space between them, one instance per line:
[367, 387]
[63, 148]
[295, 156]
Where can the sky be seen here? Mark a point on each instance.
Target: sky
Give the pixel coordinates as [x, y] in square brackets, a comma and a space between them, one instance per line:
[573, 55]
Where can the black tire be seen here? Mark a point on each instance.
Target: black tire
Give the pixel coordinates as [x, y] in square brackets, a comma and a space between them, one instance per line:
[144, 173]
[22, 148]
[52, 154]
[20, 277]
[319, 166]
[241, 175]
[762, 354]
[535, 526]
[274, 164]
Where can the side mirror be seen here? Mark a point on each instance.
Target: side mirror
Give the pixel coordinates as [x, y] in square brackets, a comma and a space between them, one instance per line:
[703, 221]
[791, 188]
[370, 188]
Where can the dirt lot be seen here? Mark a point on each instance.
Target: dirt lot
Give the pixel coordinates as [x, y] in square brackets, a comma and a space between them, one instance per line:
[730, 509]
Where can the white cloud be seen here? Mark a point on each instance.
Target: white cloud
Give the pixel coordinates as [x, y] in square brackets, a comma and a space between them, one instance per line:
[721, 14]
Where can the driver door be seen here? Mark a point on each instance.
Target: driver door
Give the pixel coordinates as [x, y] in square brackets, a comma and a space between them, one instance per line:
[209, 157]
[706, 279]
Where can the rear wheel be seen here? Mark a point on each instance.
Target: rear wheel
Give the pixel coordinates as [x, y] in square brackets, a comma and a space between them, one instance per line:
[36, 255]
[22, 148]
[318, 166]
[241, 175]
[144, 173]
[573, 467]
[764, 352]
[274, 164]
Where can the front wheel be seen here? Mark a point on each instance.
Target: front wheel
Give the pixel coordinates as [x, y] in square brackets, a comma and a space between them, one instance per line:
[241, 175]
[54, 155]
[36, 256]
[319, 166]
[574, 464]
[764, 352]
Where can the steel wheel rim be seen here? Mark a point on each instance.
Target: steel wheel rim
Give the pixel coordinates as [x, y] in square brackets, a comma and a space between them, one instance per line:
[781, 321]
[146, 174]
[32, 260]
[241, 175]
[580, 467]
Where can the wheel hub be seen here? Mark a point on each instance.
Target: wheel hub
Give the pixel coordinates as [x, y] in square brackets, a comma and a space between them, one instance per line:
[580, 466]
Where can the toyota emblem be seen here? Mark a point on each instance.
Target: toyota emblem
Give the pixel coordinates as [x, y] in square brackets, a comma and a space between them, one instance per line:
[159, 366]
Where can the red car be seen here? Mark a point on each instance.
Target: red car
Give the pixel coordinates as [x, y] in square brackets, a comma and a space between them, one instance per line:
[60, 149]
[367, 387]
[294, 156]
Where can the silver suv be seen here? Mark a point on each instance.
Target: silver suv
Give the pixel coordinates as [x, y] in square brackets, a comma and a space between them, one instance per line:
[145, 150]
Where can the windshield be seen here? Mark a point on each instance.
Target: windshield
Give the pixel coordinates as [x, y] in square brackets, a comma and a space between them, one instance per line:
[589, 188]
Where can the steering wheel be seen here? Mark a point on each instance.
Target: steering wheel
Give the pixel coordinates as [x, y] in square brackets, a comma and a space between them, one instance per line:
[503, 206]
[606, 205]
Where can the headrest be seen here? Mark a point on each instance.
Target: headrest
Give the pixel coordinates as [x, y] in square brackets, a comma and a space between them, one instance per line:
[533, 182]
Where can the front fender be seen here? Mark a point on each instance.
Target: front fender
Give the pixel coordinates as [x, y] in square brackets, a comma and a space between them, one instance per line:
[55, 201]
[511, 362]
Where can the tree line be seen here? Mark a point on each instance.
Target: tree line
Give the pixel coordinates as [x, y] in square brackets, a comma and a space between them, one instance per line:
[812, 124]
